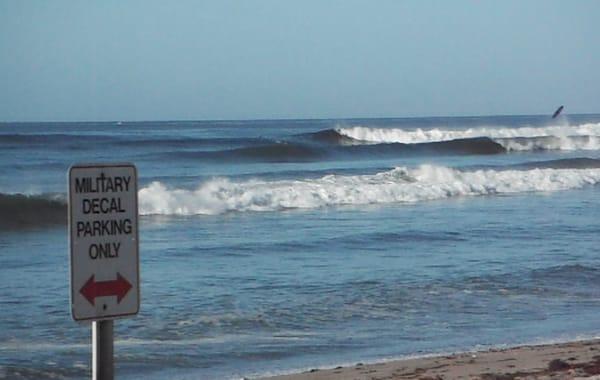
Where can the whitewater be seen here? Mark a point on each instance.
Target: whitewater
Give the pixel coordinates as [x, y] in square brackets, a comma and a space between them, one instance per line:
[401, 184]
[554, 137]
[270, 246]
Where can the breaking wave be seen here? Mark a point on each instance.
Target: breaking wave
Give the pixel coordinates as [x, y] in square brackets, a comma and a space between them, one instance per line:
[399, 185]
[550, 143]
[584, 137]
[23, 211]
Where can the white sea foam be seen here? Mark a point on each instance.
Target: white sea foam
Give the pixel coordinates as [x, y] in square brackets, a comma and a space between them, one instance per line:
[551, 143]
[563, 137]
[400, 185]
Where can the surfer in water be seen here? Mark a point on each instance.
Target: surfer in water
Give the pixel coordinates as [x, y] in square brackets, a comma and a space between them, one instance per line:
[557, 112]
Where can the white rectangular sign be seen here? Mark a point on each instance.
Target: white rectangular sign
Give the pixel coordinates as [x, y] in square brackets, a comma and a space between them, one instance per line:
[103, 229]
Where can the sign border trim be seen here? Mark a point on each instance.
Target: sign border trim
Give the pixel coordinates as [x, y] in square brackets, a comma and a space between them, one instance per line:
[137, 239]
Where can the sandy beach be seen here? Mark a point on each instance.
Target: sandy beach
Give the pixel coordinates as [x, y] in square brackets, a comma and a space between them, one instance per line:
[574, 360]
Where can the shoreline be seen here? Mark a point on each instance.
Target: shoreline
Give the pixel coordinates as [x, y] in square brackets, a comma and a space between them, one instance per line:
[569, 360]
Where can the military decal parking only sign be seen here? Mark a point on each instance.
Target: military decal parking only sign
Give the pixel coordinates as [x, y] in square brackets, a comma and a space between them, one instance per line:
[103, 230]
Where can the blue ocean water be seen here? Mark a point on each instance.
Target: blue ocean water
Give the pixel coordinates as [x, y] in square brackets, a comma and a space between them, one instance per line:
[274, 246]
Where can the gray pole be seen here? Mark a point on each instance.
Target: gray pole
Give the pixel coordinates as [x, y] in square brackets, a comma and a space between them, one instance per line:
[102, 350]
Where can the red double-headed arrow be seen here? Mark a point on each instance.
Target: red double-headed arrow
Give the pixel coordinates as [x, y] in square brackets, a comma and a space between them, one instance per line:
[92, 289]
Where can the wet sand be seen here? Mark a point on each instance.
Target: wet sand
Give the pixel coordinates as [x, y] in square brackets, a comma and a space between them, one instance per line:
[574, 360]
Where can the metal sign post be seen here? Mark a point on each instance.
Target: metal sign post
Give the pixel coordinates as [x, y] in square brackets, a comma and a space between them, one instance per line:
[103, 367]
[103, 231]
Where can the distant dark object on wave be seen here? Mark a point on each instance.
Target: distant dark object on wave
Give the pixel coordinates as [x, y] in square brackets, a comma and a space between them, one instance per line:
[557, 112]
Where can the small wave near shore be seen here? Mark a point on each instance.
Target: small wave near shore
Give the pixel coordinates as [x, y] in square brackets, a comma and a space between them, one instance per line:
[399, 185]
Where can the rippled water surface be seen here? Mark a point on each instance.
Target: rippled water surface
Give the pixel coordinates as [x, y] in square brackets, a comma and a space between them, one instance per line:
[273, 246]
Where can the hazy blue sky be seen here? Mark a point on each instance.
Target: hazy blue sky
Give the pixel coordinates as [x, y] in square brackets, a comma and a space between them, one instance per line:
[157, 60]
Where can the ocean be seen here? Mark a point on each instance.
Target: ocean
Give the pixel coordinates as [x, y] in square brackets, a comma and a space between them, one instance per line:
[270, 247]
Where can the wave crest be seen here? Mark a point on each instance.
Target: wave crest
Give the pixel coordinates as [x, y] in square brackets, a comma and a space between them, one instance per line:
[400, 185]
[581, 137]
[25, 211]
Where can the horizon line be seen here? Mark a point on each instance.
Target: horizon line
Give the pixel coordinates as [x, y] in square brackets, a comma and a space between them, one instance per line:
[284, 119]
